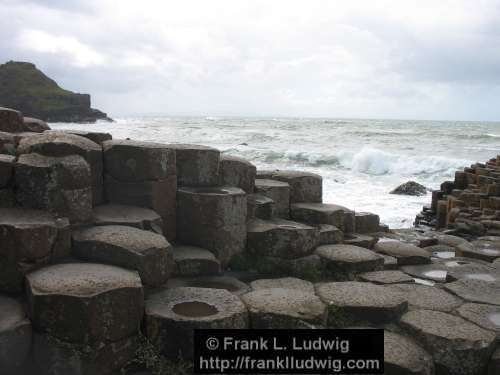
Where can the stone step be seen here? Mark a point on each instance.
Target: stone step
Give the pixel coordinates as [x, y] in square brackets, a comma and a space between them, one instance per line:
[361, 240]
[235, 171]
[279, 192]
[194, 261]
[260, 207]
[402, 355]
[304, 186]
[147, 252]
[329, 234]
[85, 303]
[427, 297]
[283, 283]
[386, 277]
[196, 165]
[405, 253]
[484, 250]
[231, 284]
[132, 216]
[323, 213]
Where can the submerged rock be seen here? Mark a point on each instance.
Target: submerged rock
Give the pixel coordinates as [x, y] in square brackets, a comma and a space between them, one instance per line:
[410, 188]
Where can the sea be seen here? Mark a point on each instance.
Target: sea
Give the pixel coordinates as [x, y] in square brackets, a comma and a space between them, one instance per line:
[361, 160]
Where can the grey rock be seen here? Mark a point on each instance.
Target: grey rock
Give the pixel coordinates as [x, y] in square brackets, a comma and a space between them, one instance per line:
[427, 297]
[486, 316]
[132, 216]
[304, 186]
[361, 240]
[260, 207]
[7, 198]
[96, 137]
[329, 234]
[6, 169]
[196, 165]
[228, 283]
[11, 121]
[235, 171]
[367, 222]
[279, 192]
[194, 261]
[402, 356]
[410, 188]
[34, 125]
[483, 250]
[283, 283]
[386, 277]
[476, 291]
[406, 254]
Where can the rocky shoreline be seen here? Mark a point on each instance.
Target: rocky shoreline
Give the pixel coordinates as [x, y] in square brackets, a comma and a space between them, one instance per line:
[114, 251]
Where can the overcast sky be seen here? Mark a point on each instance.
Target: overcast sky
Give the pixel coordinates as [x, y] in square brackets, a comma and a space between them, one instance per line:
[384, 59]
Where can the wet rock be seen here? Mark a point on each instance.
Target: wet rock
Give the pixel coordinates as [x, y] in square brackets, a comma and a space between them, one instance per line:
[158, 195]
[403, 356]
[132, 161]
[386, 277]
[475, 291]
[260, 207]
[304, 186]
[147, 252]
[283, 283]
[343, 262]
[234, 171]
[483, 250]
[11, 121]
[196, 165]
[228, 283]
[436, 272]
[27, 238]
[278, 308]
[405, 253]
[441, 251]
[486, 316]
[173, 314]
[213, 218]
[34, 125]
[352, 302]
[367, 222]
[57, 144]
[281, 238]
[360, 240]
[467, 268]
[279, 192]
[132, 216]
[6, 169]
[410, 188]
[15, 337]
[194, 261]
[457, 346]
[61, 185]
[427, 297]
[446, 239]
[85, 302]
[329, 234]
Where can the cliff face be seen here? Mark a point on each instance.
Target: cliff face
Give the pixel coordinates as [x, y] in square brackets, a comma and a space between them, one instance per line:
[24, 87]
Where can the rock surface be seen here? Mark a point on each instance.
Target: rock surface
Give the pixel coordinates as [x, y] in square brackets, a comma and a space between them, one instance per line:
[427, 297]
[410, 188]
[292, 283]
[279, 192]
[235, 171]
[132, 216]
[403, 252]
[194, 261]
[403, 356]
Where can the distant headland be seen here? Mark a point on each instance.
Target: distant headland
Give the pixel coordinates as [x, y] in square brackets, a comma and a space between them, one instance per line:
[28, 89]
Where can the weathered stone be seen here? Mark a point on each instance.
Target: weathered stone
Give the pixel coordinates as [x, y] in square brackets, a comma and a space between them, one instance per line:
[7, 198]
[61, 185]
[6, 169]
[194, 261]
[386, 277]
[405, 253]
[360, 240]
[318, 213]
[486, 316]
[468, 268]
[159, 195]
[228, 283]
[279, 192]
[427, 297]
[309, 267]
[402, 356]
[11, 121]
[27, 238]
[410, 188]
[196, 165]
[457, 346]
[390, 263]
[59, 144]
[329, 234]
[173, 314]
[351, 302]
[446, 239]
[278, 308]
[483, 250]
[7, 143]
[132, 216]
[266, 174]
[259, 206]
[62, 245]
[15, 337]
[132, 161]
[304, 186]
[52, 356]
[105, 301]
[476, 291]
[343, 262]
[213, 218]
[96, 137]
[494, 365]
[441, 251]
[234, 171]
[281, 238]
[148, 253]
[283, 283]
[367, 222]
[34, 125]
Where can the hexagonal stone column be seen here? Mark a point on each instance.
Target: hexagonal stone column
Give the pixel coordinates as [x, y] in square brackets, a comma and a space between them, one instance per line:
[474, 290]
[276, 308]
[279, 192]
[235, 171]
[61, 185]
[486, 316]
[304, 186]
[60, 144]
[259, 206]
[173, 314]
[196, 165]
[354, 302]
[229, 283]
[27, 238]
[367, 222]
[6, 169]
[330, 234]
[15, 337]
[132, 216]
[427, 297]
[404, 252]
[281, 238]
[404, 356]
[344, 262]
[194, 261]
[458, 346]
[213, 218]
[322, 213]
[85, 302]
[147, 252]
[483, 250]
[11, 121]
